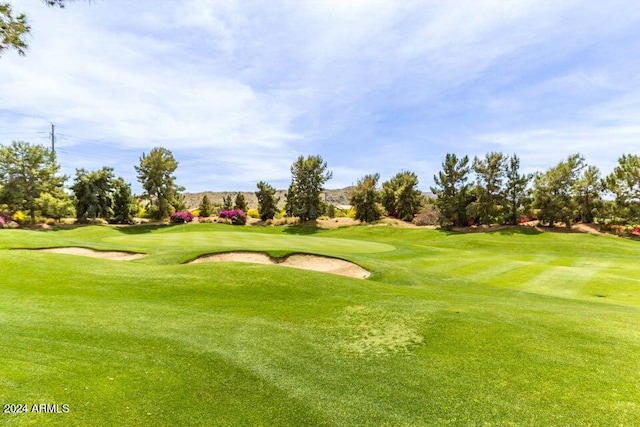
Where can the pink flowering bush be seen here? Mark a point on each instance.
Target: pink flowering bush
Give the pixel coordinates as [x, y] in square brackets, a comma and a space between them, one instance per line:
[237, 216]
[181, 217]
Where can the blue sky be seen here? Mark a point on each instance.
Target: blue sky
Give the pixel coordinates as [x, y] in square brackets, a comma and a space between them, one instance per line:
[237, 90]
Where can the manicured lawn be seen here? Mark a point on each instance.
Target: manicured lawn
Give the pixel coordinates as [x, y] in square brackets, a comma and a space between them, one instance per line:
[505, 328]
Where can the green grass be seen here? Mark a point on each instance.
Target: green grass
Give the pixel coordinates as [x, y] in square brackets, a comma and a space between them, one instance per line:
[504, 328]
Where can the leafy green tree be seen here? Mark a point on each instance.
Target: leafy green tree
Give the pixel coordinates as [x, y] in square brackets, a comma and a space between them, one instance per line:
[93, 191]
[554, 191]
[26, 172]
[490, 175]
[240, 202]
[307, 178]
[267, 201]
[124, 204]
[401, 197]
[452, 190]
[55, 207]
[516, 193]
[624, 183]
[205, 208]
[365, 199]
[588, 193]
[156, 174]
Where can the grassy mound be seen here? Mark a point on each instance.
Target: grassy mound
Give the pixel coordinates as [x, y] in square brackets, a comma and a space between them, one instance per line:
[512, 327]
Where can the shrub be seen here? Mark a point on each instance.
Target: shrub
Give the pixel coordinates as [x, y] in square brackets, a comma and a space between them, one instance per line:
[237, 216]
[253, 213]
[195, 212]
[427, 216]
[287, 220]
[181, 217]
[19, 217]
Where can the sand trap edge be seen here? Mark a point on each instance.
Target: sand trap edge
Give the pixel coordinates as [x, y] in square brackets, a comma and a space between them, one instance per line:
[89, 252]
[303, 261]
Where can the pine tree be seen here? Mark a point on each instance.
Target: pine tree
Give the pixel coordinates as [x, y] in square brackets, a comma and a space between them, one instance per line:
[307, 179]
[515, 193]
[267, 202]
[206, 208]
[240, 202]
[155, 173]
[452, 190]
[365, 199]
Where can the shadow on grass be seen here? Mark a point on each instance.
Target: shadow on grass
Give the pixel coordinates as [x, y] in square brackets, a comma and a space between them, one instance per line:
[507, 230]
[140, 229]
[57, 227]
[305, 229]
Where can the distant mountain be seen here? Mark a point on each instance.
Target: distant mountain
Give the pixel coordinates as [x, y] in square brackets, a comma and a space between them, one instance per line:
[337, 197]
[192, 200]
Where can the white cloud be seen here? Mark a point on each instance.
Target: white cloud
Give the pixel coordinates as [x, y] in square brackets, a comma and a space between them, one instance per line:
[240, 89]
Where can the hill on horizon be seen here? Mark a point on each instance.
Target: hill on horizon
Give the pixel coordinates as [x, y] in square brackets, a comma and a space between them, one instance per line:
[337, 197]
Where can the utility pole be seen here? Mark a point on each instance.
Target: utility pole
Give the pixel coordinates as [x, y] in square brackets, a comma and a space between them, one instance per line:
[53, 141]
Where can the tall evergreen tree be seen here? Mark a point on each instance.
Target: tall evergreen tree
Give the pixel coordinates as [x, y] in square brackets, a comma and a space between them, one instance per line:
[156, 174]
[490, 175]
[240, 202]
[307, 179]
[290, 200]
[365, 199]
[267, 201]
[227, 202]
[515, 192]
[588, 193]
[452, 190]
[26, 172]
[624, 183]
[554, 191]
[124, 206]
[205, 208]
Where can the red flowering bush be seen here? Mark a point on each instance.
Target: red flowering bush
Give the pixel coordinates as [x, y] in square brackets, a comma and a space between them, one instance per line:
[237, 216]
[181, 217]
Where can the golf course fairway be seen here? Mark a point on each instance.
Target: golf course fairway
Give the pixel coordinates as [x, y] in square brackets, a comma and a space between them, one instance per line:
[513, 327]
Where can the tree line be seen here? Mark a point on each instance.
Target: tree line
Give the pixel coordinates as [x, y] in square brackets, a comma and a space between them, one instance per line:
[492, 190]
[485, 190]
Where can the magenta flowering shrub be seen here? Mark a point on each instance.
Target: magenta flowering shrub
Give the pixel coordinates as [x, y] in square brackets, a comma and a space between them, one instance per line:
[237, 216]
[181, 217]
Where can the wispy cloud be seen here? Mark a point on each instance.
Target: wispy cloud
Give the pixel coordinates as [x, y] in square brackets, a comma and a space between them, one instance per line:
[237, 90]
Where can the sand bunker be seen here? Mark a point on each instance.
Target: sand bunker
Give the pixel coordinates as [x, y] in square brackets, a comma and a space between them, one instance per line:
[302, 261]
[112, 255]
